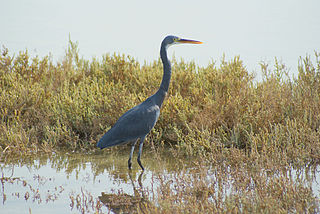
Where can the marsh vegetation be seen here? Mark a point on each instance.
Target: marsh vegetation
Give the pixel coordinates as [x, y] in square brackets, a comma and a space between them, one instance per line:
[241, 138]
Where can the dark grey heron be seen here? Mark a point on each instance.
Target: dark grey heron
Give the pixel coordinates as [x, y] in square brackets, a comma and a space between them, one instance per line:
[137, 122]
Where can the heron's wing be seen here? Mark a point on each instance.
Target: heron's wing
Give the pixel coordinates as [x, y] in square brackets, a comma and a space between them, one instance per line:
[135, 123]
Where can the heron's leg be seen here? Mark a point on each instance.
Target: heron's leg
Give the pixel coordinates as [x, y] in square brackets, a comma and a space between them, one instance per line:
[140, 151]
[131, 153]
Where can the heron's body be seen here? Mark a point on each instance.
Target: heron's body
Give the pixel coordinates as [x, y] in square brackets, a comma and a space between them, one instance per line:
[137, 122]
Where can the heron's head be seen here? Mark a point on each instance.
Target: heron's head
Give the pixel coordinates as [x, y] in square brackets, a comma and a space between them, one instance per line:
[172, 40]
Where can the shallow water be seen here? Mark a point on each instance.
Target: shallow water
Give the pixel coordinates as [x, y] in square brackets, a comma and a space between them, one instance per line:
[100, 182]
[75, 183]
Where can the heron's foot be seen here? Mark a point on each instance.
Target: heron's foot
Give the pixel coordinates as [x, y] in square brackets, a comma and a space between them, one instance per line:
[140, 164]
[129, 164]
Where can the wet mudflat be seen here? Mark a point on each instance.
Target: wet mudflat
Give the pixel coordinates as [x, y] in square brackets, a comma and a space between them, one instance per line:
[102, 183]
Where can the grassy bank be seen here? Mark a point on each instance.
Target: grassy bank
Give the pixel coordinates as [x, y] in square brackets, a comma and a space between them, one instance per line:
[47, 106]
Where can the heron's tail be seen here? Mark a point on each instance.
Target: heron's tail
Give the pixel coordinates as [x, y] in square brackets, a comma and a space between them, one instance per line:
[106, 141]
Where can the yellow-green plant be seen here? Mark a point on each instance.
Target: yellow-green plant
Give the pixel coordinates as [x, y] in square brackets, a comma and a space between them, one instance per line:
[45, 106]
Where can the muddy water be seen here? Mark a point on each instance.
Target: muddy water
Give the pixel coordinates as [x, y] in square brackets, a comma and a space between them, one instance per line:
[96, 183]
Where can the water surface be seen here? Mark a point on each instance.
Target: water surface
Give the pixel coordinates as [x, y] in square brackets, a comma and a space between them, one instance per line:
[102, 183]
[75, 183]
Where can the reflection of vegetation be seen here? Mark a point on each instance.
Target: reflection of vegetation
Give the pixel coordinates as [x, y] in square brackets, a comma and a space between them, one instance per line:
[29, 191]
[235, 190]
[238, 187]
[100, 162]
[84, 202]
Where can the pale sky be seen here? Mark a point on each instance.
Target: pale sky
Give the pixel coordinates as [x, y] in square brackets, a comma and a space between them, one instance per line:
[257, 30]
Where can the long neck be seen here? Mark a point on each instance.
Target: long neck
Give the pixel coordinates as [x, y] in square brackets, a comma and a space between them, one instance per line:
[166, 69]
[164, 86]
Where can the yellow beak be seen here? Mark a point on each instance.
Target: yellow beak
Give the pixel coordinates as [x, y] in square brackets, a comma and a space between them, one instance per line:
[189, 41]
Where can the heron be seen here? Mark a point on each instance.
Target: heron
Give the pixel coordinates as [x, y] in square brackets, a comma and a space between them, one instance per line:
[137, 122]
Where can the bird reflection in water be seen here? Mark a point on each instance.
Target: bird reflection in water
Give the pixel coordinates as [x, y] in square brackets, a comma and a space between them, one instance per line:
[125, 203]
